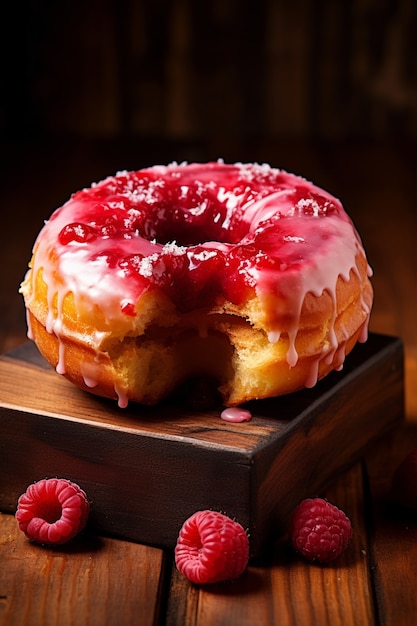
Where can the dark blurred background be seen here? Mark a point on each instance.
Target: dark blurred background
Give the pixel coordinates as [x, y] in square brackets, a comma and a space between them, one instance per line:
[203, 70]
[87, 88]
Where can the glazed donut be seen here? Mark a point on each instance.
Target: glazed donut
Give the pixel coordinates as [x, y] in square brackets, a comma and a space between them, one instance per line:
[241, 273]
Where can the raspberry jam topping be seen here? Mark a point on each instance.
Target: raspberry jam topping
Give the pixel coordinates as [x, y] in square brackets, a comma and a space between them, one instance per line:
[198, 232]
[78, 232]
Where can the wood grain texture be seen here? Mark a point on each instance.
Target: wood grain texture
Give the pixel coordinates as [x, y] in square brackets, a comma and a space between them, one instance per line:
[93, 580]
[147, 470]
[393, 531]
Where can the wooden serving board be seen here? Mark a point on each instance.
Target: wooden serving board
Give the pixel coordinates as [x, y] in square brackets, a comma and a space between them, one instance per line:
[146, 470]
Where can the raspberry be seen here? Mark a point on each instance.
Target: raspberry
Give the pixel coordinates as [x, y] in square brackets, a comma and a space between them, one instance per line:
[52, 511]
[211, 548]
[319, 531]
[404, 481]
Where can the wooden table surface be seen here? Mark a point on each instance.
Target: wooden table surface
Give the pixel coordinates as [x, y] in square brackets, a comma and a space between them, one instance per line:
[107, 581]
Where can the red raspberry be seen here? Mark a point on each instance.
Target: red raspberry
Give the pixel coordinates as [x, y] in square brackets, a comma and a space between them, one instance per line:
[404, 481]
[319, 531]
[52, 511]
[211, 548]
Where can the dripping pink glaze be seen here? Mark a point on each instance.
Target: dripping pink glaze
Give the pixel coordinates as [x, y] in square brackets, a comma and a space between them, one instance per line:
[236, 414]
[199, 233]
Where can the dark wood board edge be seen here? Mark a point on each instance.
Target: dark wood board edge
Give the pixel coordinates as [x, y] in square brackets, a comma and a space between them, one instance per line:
[247, 484]
[368, 403]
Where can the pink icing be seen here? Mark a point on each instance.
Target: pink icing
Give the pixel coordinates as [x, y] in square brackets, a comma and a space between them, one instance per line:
[199, 233]
[236, 414]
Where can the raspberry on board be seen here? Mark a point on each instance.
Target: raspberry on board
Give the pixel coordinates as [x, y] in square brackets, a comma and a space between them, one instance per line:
[52, 511]
[404, 481]
[211, 547]
[319, 530]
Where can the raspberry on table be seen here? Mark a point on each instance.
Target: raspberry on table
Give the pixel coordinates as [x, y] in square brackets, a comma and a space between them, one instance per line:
[52, 511]
[211, 547]
[319, 530]
[404, 481]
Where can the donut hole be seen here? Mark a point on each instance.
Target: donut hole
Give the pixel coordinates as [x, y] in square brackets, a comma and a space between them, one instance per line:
[182, 234]
[192, 223]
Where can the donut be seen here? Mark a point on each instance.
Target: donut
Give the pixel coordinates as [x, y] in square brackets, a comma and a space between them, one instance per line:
[240, 274]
